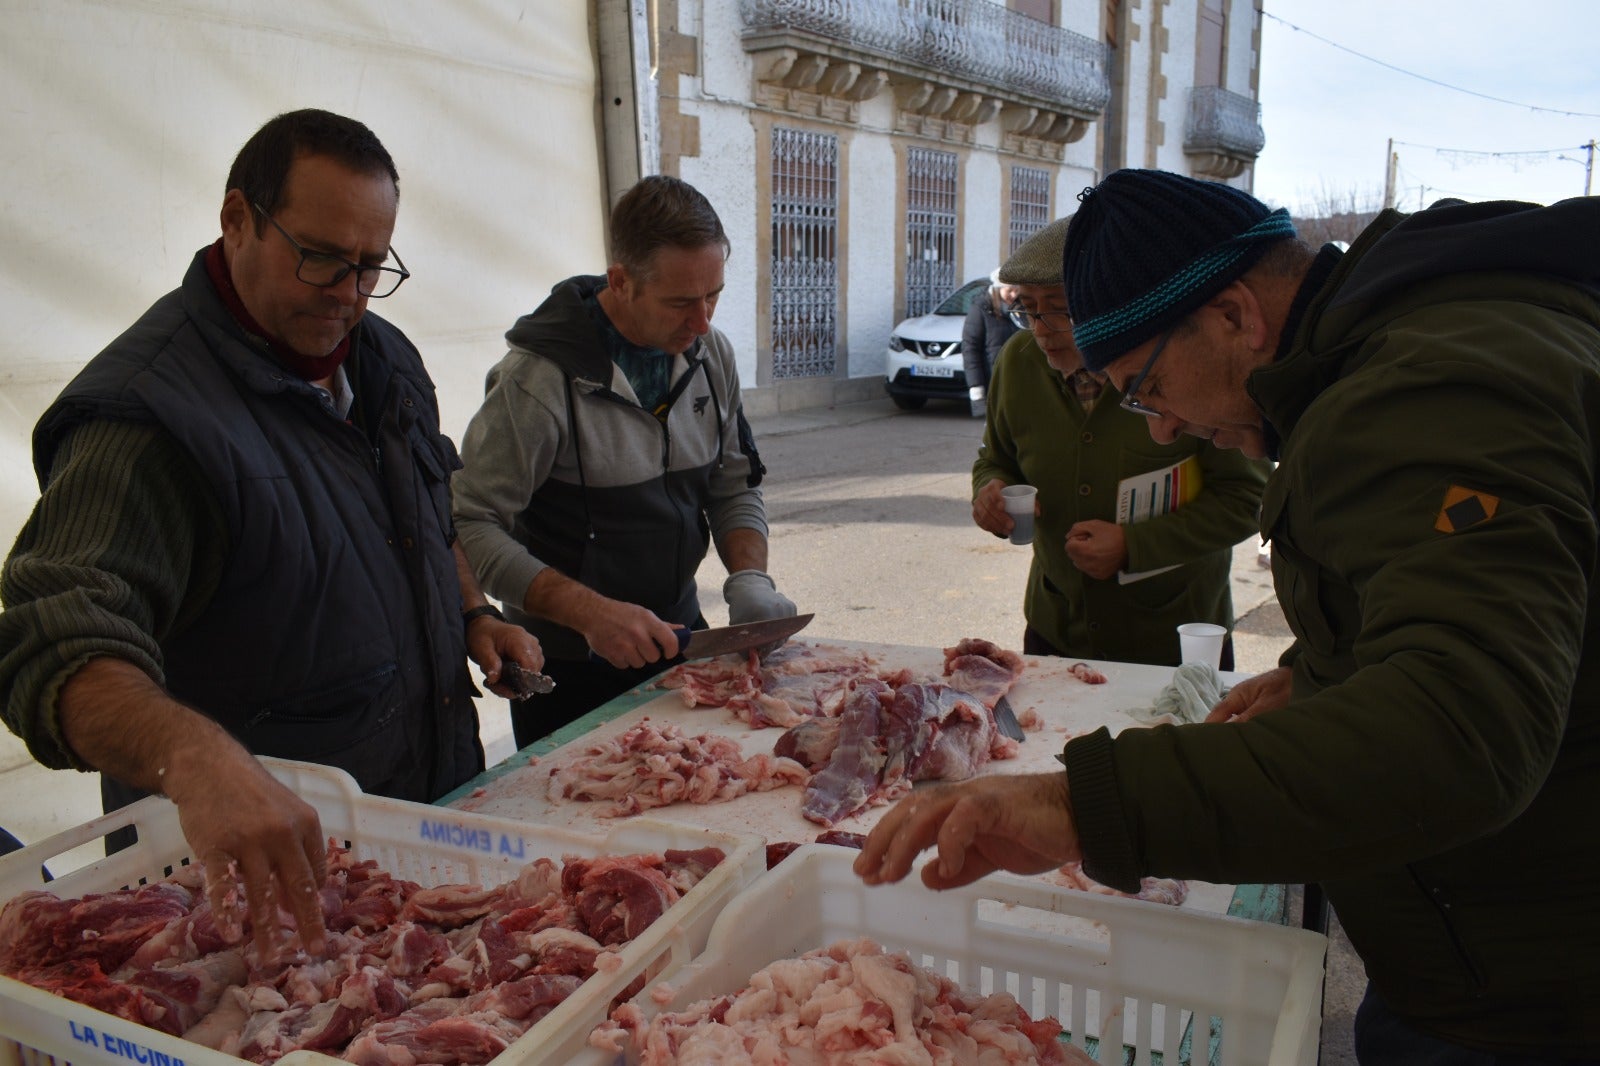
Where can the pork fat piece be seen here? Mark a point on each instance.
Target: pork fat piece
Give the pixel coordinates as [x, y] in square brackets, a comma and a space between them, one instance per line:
[654, 766]
[848, 1003]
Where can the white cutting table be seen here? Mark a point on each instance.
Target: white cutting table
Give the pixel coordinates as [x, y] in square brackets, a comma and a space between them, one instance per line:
[1068, 707]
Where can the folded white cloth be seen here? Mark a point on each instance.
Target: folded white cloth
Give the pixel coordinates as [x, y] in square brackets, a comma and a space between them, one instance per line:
[1195, 689]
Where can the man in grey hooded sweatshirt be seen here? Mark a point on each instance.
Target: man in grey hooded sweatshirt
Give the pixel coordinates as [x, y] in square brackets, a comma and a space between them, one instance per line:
[611, 451]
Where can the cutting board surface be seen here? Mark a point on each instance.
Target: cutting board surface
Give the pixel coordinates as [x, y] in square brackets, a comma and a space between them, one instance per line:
[1067, 707]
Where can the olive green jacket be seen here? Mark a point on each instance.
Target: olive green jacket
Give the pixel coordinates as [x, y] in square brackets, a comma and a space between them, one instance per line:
[1038, 434]
[1433, 521]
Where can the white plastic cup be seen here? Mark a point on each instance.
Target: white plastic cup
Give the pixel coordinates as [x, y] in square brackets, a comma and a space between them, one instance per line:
[1018, 500]
[1201, 642]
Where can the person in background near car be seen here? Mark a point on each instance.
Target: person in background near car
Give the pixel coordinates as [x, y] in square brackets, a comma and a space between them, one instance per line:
[988, 326]
[611, 441]
[1430, 748]
[1057, 426]
[244, 543]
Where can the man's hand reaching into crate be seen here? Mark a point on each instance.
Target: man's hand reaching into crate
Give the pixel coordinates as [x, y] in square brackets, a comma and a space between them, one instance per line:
[246, 827]
[1016, 822]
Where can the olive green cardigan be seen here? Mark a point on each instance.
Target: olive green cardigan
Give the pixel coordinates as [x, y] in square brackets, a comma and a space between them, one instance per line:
[1038, 434]
[1434, 538]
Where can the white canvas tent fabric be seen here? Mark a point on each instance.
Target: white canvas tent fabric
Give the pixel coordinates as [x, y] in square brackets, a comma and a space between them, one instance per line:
[121, 120]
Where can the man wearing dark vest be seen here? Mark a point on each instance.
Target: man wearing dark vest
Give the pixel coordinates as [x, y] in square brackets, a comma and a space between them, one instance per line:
[243, 544]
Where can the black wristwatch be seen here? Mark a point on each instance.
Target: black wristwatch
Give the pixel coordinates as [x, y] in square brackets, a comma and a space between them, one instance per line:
[479, 612]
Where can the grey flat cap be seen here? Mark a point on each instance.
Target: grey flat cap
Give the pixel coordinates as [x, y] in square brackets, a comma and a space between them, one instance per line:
[1038, 261]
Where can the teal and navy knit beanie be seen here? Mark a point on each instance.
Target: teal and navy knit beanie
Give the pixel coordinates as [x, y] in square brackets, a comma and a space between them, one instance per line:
[1147, 247]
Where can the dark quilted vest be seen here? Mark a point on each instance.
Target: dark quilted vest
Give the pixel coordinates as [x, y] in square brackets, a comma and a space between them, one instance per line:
[335, 636]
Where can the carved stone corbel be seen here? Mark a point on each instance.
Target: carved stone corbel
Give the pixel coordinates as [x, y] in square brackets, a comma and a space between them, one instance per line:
[1015, 119]
[839, 78]
[774, 64]
[965, 109]
[940, 101]
[1066, 130]
[868, 85]
[913, 96]
[807, 72]
[988, 109]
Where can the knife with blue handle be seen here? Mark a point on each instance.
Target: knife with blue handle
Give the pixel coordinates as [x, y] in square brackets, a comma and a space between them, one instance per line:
[705, 643]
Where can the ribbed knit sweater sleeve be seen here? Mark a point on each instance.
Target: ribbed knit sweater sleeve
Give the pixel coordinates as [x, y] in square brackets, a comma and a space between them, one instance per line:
[125, 546]
[997, 453]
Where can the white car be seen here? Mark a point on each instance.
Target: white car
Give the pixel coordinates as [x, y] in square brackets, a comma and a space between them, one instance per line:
[924, 358]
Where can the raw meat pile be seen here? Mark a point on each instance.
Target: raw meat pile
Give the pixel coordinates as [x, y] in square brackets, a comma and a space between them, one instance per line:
[796, 682]
[1087, 674]
[888, 736]
[650, 766]
[1168, 890]
[782, 849]
[443, 975]
[847, 1003]
[856, 735]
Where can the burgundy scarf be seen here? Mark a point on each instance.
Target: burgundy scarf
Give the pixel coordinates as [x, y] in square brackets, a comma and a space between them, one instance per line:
[310, 369]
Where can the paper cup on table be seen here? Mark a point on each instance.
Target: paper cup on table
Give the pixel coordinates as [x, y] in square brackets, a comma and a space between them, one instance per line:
[1201, 642]
[1018, 500]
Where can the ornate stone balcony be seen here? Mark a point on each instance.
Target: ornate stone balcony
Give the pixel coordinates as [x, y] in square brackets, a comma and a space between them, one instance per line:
[1224, 133]
[952, 65]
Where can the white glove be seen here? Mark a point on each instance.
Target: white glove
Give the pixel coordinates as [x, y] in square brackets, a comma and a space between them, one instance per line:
[975, 392]
[754, 597]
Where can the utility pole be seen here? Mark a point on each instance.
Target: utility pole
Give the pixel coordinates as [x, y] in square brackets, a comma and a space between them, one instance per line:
[1588, 167]
[1391, 166]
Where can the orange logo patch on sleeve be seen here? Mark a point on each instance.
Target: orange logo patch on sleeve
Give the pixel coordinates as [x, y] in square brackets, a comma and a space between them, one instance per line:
[1464, 508]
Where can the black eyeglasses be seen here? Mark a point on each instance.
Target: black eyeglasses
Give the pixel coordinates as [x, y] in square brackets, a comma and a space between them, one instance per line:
[325, 270]
[1128, 401]
[1055, 321]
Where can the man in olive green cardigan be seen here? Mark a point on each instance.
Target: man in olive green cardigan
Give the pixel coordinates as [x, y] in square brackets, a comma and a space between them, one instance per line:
[1056, 426]
[1429, 751]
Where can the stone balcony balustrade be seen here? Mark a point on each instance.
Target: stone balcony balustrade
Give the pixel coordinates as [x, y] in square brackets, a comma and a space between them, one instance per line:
[1223, 135]
[951, 65]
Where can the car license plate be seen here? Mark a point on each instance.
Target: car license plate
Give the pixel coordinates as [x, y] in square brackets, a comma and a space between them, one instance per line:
[921, 371]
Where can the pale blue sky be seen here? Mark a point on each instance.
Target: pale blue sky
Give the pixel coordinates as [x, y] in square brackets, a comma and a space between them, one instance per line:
[1328, 114]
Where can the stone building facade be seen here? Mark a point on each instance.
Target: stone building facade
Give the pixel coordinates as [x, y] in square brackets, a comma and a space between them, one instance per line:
[870, 156]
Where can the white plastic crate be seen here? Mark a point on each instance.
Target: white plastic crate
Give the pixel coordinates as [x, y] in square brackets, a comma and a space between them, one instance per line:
[417, 842]
[1141, 972]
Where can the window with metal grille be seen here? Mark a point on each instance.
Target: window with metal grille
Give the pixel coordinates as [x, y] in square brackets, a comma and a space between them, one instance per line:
[1030, 203]
[1210, 43]
[805, 252]
[930, 229]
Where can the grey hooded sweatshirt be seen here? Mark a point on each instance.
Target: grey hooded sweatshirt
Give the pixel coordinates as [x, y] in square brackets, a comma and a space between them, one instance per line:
[564, 468]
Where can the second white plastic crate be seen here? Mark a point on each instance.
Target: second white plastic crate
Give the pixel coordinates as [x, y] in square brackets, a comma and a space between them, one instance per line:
[417, 842]
[1155, 979]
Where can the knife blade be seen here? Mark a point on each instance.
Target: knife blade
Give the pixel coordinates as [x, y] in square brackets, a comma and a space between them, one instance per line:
[523, 681]
[705, 643]
[1006, 719]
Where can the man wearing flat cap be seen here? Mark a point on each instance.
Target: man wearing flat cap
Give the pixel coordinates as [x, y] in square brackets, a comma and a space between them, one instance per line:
[1430, 748]
[1102, 585]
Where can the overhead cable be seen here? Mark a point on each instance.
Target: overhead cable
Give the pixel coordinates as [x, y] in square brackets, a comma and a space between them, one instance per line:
[1424, 77]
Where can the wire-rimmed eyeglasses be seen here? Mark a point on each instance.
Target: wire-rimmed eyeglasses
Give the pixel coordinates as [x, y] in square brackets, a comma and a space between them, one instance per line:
[1129, 403]
[324, 269]
[1054, 321]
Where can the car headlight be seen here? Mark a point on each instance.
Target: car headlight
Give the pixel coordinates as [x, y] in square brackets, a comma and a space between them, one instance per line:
[896, 344]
